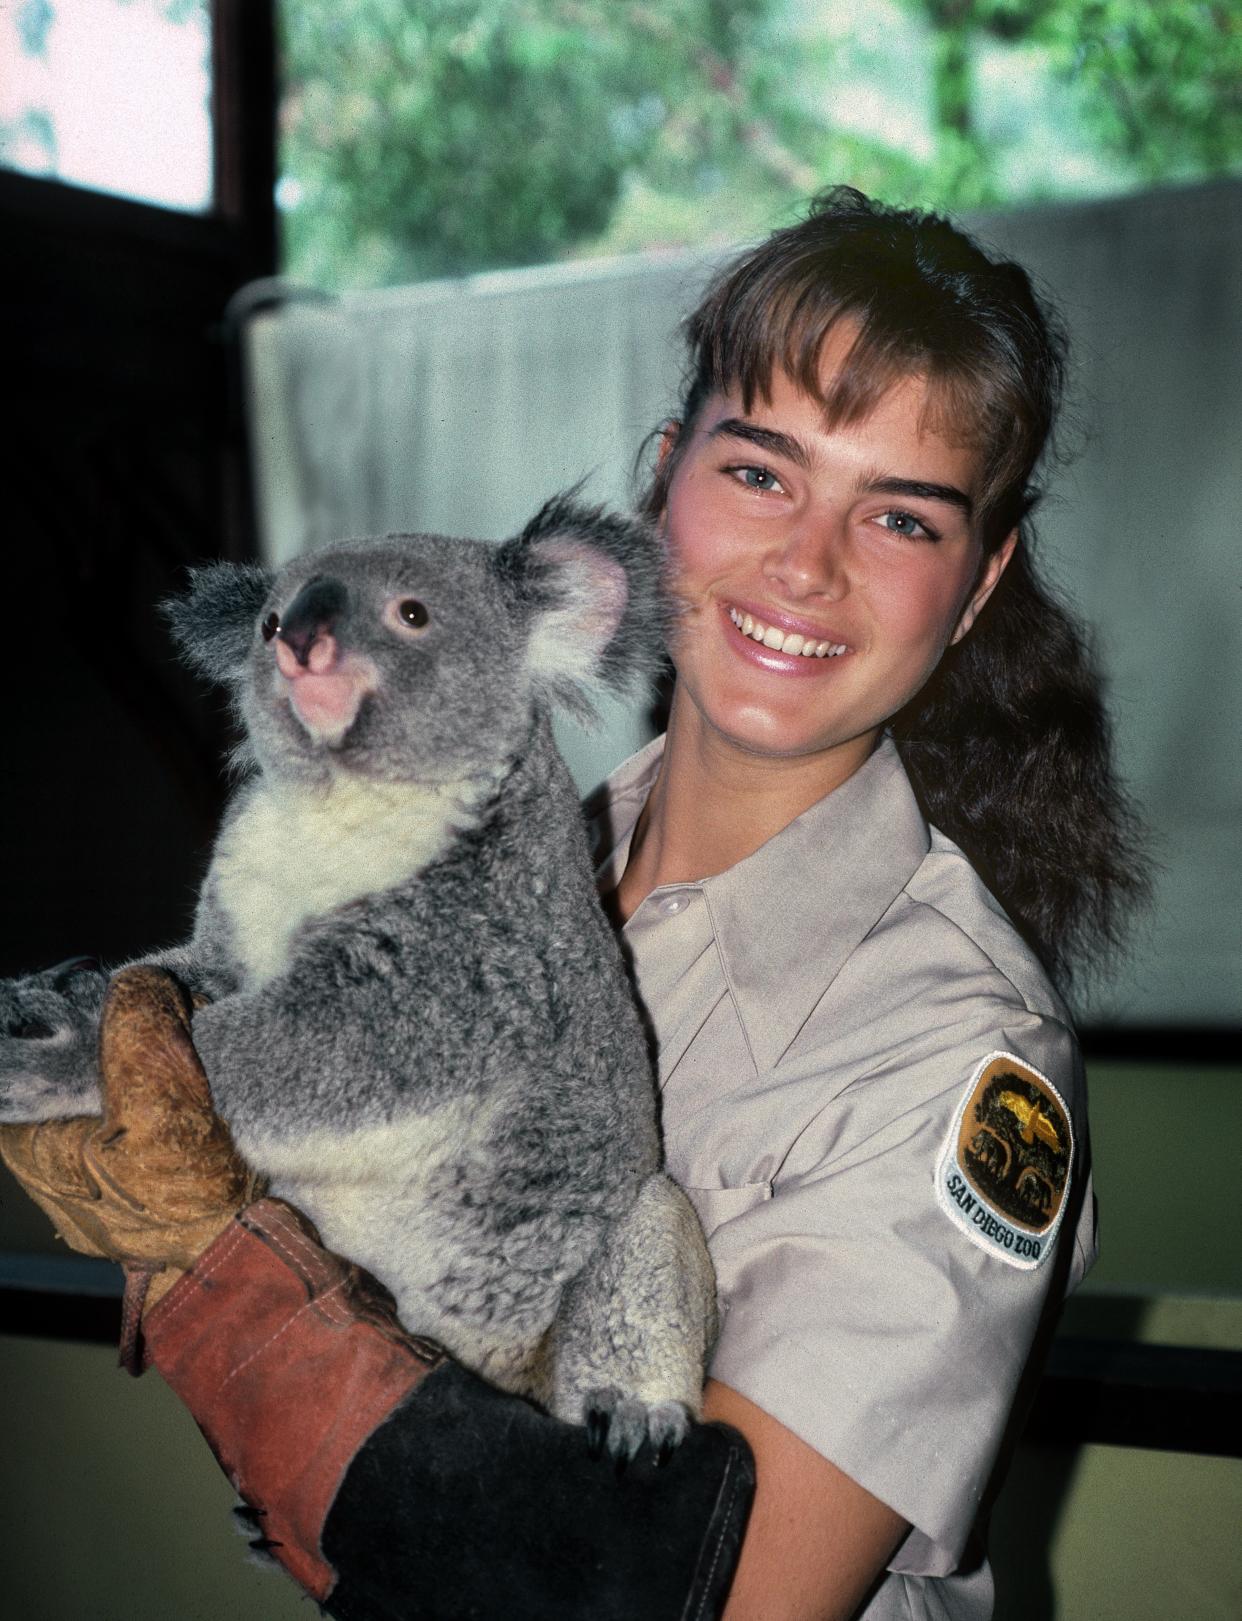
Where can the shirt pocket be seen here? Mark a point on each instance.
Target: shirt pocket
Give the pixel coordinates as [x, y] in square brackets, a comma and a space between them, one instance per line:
[715, 1206]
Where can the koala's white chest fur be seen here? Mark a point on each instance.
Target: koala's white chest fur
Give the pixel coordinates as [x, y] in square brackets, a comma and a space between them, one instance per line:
[293, 854]
[369, 1192]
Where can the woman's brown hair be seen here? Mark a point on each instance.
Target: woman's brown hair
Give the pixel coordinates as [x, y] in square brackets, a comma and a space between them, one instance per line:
[1008, 744]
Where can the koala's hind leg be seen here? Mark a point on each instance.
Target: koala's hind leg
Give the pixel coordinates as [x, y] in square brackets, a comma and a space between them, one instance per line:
[633, 1330]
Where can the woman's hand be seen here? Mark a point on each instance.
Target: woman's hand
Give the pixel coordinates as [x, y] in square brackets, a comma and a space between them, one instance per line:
[154, 1181]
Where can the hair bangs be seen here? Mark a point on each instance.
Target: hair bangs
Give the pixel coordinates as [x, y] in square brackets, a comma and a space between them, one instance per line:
[923, 301]
[780, 321]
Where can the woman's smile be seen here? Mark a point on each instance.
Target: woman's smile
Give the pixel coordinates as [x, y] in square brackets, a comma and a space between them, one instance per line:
[780, 643]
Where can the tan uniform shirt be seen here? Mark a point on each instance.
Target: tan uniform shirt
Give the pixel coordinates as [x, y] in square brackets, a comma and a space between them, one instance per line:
[874, 1098]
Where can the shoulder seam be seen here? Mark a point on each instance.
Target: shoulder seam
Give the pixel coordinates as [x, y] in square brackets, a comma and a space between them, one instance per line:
[957, 928]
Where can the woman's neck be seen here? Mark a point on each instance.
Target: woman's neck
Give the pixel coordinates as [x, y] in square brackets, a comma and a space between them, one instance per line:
[714, 804]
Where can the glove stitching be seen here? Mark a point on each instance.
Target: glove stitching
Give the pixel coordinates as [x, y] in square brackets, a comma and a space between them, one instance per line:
[312, 1261]
[287, 1324]
[167, 1314]
[332, 1309]
[723, 1506]
[278, 1219]
[336, 1312]
[316, 1263]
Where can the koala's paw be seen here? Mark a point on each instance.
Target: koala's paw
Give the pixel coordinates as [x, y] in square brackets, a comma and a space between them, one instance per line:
[620, 1424]
[48, 1039]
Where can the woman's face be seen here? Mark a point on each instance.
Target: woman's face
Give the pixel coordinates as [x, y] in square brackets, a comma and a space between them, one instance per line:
[823, 571]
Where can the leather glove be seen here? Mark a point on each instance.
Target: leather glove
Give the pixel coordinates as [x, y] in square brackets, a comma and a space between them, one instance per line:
[154, 1181]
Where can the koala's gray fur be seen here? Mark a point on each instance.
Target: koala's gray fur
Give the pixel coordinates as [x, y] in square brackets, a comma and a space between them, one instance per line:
[420, 1027]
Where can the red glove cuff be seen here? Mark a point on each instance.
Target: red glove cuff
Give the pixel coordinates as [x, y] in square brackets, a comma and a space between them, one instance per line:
[288, 1358]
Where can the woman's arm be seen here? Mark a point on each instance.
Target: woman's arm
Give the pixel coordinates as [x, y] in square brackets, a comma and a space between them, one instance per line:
[816, 1540]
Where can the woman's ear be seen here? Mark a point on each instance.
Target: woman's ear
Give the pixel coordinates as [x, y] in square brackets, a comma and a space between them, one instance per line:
[662, 476]
[669, 435]
[993, 568]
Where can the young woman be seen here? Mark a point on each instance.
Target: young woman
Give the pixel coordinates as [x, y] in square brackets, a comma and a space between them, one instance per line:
[859, 1050]
[881, 822]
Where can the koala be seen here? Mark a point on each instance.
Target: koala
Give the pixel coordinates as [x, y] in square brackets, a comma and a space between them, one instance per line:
[419, 1027]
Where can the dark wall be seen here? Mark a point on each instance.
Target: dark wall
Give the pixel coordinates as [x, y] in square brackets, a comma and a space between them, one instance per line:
[122, 462]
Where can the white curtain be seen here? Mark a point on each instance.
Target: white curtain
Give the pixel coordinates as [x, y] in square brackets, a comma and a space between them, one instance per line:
[459, 406]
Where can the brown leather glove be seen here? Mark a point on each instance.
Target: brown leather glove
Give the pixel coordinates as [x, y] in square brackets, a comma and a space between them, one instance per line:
[154, 1181]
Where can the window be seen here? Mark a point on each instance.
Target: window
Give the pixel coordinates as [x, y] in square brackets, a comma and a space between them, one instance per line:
[112, 95]
[461, 135]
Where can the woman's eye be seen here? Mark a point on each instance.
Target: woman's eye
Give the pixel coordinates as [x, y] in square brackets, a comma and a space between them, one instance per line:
[756, 478]
[905, 523]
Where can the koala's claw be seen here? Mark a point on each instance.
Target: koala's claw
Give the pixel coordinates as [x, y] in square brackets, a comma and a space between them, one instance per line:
[597, 1432]
[668, 1425]
[621, 1424]
[65, 971]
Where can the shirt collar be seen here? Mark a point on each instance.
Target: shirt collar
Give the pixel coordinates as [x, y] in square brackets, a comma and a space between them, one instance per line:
[788, 916]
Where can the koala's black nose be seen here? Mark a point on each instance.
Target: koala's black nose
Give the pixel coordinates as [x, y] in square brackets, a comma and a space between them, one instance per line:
[312, 613]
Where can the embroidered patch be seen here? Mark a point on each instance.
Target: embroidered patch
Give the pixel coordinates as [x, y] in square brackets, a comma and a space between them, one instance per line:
[1004, 1172]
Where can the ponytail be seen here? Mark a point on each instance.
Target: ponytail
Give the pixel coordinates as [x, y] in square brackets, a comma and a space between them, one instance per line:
[1009, 750]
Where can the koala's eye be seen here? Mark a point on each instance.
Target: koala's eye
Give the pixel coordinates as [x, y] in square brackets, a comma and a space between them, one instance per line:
[270, 626]
[407, 615]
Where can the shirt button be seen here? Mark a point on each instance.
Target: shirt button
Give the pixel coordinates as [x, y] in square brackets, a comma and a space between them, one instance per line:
[672, 904]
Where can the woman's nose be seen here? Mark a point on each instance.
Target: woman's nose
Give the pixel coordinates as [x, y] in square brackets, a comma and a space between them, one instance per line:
[809, 561]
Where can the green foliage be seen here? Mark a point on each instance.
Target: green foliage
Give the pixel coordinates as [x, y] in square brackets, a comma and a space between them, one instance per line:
[446, 136]
[437, 138]
[1161, 83]
[1158, 83]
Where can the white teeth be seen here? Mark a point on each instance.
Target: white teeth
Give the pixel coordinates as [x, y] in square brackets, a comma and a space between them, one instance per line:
[779, 642]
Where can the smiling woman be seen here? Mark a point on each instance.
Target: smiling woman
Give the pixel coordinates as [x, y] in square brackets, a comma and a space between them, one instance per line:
[872, 687]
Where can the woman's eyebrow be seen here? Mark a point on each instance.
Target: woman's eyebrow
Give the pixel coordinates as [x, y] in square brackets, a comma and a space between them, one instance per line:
[948, 493]
[769, 439]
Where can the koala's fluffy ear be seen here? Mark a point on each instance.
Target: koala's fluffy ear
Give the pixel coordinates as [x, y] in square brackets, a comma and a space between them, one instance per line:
[213, 622]
[592, 581]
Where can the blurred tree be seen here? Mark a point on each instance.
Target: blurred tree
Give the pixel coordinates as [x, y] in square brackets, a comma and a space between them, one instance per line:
[457, 135]
[1161, 83]
[1158, 84]
[454, 135]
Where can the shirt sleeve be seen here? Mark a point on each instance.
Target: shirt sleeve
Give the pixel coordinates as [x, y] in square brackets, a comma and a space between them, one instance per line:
[872, 1304]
